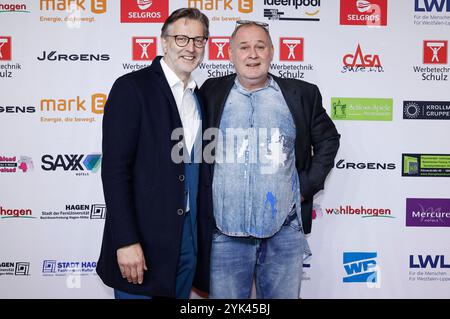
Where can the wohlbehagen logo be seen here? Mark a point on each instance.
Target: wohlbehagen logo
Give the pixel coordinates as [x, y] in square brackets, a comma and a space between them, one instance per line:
[20, 213]
[361, 211]
[426, 165]
[428, 212]
[14, 8]
[361, 109]
[295, 10]
[426, 110]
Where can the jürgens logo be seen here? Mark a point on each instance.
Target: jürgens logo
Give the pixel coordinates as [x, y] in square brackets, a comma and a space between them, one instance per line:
[17, 109]
[54, 56]
[343, 164]
[72, 162]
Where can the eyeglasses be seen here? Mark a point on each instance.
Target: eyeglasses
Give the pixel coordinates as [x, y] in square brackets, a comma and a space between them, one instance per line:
[182, 40]
[244, 22]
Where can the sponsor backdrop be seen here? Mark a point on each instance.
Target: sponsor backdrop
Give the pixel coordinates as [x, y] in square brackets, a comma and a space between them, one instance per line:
[380, 229]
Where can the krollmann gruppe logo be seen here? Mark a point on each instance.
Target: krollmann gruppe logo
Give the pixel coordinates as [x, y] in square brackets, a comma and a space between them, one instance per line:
[362, 12]
[426, 110]
[56, 56]
[432, 12]
[13, 7]
[361, 62]
[298, 10]
[143, 51]
[218, 63]
[227, 10]
[72, 110]
[72, 13]
[7, 69]
[361, 109]
[343, 164]
[291, 53]
[143, 11]
[435, 57]
[16, 164]
[7, 213]
[360, 211]
[361, 267]
[79, 163]
[51, 267]
[426, 165]
[429, 268]
[14, 268]
[76, 212]
[428, 212]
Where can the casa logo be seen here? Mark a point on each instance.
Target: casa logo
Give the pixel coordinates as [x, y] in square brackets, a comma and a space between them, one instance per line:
[426, 110]
[72, 106]
[361, 267]
[144, 48]
[143, 11]
[17, 109]
[7, 69]
[361, 211]
[14, 164]
[361, 12]
[14, 268]
[435, 57]
[76, 212]
[297, 10]
[14, 8]
[429, 268]
[218, 48]
[291, 49]
[428, 212]
[83, 57]
[6, 213]
[361, 62]
[79, 163]
[62, 268]
[346, 165]
[426, 165]
[95, 6]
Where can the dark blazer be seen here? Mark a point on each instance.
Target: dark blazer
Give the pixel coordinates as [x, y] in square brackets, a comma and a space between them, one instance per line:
[142, 185]
[316, 133]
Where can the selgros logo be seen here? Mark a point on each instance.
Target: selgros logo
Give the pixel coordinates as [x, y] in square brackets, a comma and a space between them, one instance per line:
[361, 12]
[79, 163]
[361, 62]
[51, 267]
[143, 11]
[296, 10]
[360, 267]
[426, 110]
[428, 212]
[364, 212]
[14, 8]
[426, 165]
[76, 212]
[14, 268]
[15, 213]
[361, 109]
[14, 164]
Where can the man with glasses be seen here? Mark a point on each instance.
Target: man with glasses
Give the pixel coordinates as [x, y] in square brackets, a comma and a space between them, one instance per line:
[282, 145]
[151, 141]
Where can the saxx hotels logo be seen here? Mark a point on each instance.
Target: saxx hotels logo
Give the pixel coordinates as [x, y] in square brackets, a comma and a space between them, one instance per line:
[361, 109]
[242, 6]
[361, 267]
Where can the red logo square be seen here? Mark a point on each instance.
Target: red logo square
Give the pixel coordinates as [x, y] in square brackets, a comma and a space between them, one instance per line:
[143, 11]
[218, 48]
[5, 48]
[144, 48]
[291, 49]
[435, 51]
[364, 12]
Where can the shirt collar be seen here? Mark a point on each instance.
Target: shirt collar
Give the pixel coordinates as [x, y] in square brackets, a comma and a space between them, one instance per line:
[173, 79]
[271, 83]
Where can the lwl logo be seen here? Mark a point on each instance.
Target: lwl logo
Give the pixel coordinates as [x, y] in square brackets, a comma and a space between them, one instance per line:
[360, 267]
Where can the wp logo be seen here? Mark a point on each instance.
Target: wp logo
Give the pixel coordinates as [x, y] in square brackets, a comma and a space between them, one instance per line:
[360, 267]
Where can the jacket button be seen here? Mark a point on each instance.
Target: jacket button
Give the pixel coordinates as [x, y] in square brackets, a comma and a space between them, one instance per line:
[181, 178]
[180, 211]
[180, 144]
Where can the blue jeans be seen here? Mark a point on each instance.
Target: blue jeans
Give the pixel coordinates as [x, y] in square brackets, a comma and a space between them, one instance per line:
[276, 263]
